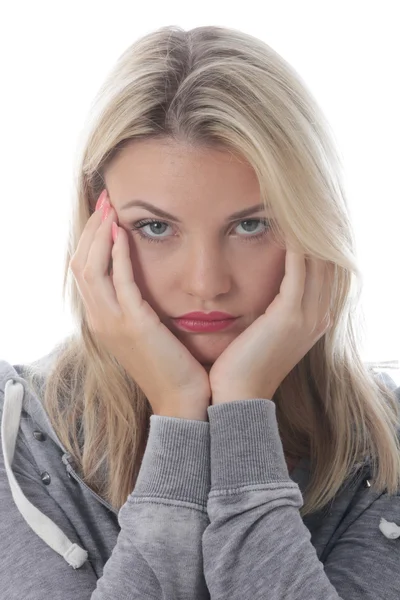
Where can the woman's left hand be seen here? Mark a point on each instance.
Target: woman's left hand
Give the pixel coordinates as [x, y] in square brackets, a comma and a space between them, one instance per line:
[259, 359]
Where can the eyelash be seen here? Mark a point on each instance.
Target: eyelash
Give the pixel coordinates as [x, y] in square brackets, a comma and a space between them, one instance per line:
[143, 222]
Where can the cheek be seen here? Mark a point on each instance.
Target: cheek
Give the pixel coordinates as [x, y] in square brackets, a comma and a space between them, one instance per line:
[262, 281]
[148, 271]
[154, 281]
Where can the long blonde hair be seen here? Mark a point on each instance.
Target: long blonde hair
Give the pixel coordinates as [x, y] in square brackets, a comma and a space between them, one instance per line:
[219, 87]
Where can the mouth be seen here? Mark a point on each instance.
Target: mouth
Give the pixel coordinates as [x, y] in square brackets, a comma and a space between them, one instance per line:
[199, 326]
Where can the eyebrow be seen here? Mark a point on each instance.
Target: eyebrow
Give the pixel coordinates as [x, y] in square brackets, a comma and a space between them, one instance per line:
[167, 215]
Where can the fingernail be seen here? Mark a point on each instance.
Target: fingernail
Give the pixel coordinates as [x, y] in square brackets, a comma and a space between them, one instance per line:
[115, 231]
[106, 210]
[101, 199]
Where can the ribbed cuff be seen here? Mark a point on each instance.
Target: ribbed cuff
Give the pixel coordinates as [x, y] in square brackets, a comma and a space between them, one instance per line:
[245, 448]
[176, 462]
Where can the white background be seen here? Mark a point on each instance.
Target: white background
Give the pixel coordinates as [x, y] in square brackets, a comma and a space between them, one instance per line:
[55, 56]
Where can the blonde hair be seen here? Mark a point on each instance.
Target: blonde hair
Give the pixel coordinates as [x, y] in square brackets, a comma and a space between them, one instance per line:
[218, 87]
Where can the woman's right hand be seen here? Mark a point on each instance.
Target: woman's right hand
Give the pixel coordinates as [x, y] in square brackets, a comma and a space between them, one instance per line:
[174, 382]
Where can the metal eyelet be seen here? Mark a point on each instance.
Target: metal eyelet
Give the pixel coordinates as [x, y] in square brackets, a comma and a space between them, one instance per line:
[45, 477]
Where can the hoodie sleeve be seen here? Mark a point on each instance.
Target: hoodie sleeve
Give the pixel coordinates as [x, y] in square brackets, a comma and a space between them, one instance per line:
[257, 546]
[158, 550]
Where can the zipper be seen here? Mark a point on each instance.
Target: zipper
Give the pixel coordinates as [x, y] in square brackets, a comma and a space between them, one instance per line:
[67, 460]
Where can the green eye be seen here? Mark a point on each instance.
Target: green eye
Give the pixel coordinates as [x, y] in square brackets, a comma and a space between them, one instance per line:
[140, 225]
[264, 222]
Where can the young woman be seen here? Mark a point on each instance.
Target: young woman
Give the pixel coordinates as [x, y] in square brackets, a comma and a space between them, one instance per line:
[162, 455]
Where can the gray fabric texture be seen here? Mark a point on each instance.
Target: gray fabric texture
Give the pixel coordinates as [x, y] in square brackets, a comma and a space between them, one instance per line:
[214, 515]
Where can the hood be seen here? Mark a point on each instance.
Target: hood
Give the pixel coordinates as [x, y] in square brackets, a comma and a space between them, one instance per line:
[18, 398]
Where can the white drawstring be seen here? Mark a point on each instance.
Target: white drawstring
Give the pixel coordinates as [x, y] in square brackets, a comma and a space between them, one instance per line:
[44, 527]
[389, 529]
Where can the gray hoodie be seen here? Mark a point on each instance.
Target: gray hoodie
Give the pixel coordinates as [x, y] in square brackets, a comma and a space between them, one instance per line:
[214, 515]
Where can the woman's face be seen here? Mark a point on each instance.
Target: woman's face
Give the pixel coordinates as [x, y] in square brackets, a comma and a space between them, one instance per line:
[208, 260]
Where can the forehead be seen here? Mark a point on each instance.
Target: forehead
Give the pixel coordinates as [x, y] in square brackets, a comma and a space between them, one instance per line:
[173, 157]
[168, 172]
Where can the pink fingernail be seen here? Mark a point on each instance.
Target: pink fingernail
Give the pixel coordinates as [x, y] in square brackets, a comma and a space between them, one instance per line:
[106, 210]
[101, 199]
[115, 231]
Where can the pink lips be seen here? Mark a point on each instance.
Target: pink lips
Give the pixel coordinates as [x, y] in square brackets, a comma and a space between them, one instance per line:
[205, 322]
[212, 316]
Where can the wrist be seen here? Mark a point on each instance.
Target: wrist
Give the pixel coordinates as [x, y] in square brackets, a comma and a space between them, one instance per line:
[223, 397]
[190, 415]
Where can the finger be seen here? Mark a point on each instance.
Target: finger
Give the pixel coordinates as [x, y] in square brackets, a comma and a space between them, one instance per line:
[99, 254]
[292, 286]
[80, 257]
[317, 293]
[95, 281]
[127, 292]
[313, 285]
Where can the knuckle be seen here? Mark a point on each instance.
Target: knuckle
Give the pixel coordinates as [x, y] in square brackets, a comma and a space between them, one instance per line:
[88, 274]
[73, 264]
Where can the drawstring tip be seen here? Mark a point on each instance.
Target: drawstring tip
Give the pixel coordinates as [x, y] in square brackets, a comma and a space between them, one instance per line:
[76, 556]
[389, 529]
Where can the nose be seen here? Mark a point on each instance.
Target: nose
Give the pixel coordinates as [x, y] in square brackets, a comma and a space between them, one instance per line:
[206, 272]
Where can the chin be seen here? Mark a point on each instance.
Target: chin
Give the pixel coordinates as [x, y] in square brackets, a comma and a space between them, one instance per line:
[205, 351]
